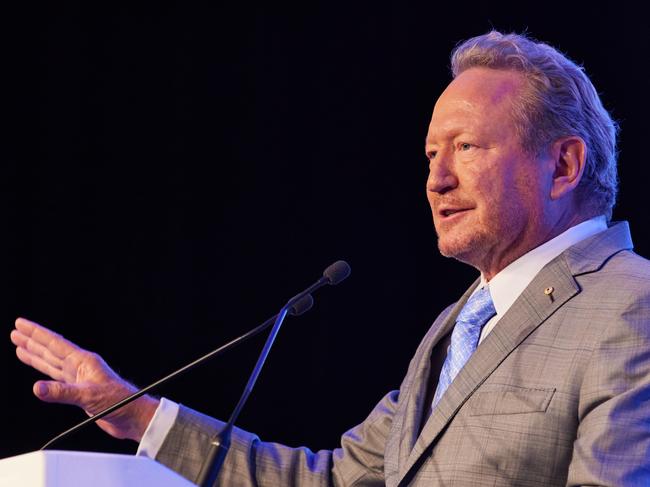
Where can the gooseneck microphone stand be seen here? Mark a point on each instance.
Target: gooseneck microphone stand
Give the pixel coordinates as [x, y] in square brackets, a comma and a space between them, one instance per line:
[219, 445]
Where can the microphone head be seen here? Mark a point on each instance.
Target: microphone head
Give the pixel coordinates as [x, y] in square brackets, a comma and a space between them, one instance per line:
[337, 272]
[301, 306]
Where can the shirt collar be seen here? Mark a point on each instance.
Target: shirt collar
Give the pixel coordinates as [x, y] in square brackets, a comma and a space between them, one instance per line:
[510, 282]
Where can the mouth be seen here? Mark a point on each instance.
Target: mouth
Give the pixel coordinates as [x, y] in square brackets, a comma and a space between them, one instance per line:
[447, 213]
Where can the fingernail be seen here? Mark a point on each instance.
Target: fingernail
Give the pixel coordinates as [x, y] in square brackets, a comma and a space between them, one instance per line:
[41, 389]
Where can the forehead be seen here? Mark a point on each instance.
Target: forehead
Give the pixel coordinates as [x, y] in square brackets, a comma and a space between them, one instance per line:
[478, 99]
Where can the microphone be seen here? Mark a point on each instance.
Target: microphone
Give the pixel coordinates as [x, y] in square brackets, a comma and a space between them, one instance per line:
[337, 272]
[220, 443]
[299, 305]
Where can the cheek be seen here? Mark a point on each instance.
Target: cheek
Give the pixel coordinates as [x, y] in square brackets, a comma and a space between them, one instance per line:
[532, 190]
[491, 194]
[503, 203]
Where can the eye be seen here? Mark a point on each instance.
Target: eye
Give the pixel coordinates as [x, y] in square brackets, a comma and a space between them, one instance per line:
[464, 146]
[431, 154]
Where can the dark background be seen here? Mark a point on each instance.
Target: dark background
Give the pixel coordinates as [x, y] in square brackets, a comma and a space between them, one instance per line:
[172, 174]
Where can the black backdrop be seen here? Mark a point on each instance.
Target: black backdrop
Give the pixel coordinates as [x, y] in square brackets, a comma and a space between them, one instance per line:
[172, 174]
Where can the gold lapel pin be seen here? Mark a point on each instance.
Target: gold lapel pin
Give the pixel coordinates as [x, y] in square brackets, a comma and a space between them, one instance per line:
[549, 292]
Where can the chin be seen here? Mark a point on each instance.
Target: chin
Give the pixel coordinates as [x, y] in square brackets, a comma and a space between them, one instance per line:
[464, 248]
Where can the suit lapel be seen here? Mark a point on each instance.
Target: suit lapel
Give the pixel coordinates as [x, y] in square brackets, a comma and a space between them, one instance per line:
[527, 313]
[412, 409]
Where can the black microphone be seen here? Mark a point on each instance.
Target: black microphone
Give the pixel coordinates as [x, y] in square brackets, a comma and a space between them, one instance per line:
[300, 307]
[297, 308]
[337, 272]
[220, 443]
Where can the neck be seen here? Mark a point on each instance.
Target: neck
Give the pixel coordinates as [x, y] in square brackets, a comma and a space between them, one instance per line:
[496, 262]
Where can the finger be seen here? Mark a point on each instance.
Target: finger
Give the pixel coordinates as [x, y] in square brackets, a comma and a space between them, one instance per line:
[35, 348]
[18, 339]
[42, 366]
[58, 345]
[50, 391]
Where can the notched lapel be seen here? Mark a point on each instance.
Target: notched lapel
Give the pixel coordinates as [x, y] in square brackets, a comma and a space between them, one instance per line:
[529, 311]
[411, 411]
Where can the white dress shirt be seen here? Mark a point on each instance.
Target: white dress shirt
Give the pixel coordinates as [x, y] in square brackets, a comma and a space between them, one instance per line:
[505, 288]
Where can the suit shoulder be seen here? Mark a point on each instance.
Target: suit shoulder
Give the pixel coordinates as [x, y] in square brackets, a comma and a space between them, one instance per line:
[616, 293]
[626, 264]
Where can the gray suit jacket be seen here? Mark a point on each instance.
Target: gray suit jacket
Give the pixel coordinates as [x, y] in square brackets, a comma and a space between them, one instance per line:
[557, 394]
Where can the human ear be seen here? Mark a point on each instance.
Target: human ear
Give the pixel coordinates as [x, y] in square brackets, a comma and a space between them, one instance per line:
[569, 156]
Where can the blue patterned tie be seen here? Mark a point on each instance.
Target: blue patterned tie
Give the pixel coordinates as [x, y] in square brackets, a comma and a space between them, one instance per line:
[464, 339]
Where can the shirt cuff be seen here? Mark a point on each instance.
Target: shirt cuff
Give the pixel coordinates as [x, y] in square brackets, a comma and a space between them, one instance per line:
[154, 436]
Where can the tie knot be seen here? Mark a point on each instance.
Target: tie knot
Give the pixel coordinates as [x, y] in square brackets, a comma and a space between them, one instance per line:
[478, 309]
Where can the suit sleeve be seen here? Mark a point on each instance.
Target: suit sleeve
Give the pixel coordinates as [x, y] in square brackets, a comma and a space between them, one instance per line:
[251, 462]
[612, 445]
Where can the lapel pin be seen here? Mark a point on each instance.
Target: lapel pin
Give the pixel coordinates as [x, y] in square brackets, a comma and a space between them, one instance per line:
[549, 292]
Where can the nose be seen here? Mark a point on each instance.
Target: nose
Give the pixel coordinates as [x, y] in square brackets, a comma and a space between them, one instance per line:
[441, 175]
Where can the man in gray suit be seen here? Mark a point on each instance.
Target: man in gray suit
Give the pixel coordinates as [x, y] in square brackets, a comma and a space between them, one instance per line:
[539, 375]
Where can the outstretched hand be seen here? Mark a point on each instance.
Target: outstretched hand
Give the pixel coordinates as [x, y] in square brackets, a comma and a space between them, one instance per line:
[81, 378]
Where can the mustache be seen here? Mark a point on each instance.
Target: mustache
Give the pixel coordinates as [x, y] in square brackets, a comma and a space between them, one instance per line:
[452, 203]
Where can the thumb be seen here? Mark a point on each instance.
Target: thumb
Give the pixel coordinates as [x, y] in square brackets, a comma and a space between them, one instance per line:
[54, 391]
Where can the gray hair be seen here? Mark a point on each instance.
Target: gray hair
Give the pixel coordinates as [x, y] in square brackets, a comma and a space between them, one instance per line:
[559, 101]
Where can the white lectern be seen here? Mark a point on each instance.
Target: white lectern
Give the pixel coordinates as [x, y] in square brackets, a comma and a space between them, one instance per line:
[85, 469]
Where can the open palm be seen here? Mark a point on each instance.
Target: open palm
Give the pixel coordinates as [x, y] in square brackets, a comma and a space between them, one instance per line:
[81, 378]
